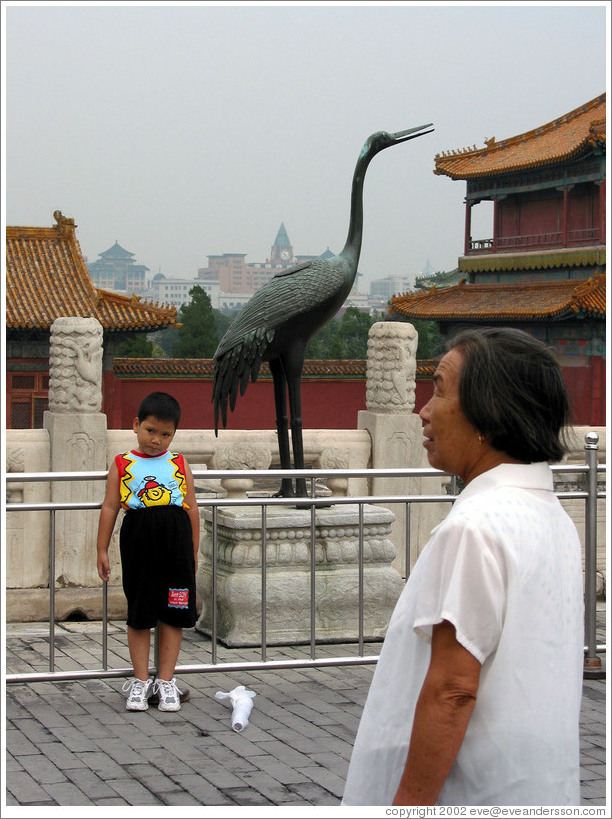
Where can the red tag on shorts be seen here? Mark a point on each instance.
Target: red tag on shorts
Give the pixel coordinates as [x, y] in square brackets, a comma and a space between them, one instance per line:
[178, 598]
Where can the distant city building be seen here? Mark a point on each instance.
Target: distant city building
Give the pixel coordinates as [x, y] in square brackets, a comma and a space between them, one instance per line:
[175, 292]
[383, 289]
[230, 302]
[238, 278]
[281, 252]
[117, 270]
[229, 280]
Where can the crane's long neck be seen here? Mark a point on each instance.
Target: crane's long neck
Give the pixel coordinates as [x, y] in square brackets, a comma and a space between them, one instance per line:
[352, 247]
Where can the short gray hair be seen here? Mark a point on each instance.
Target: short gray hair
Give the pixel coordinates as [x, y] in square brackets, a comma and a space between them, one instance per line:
[511, 389]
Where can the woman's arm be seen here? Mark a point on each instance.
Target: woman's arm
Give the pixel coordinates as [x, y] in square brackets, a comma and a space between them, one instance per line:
[441, 717]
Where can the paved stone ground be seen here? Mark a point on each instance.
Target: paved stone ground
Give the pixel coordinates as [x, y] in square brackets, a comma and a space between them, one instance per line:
[73, 743]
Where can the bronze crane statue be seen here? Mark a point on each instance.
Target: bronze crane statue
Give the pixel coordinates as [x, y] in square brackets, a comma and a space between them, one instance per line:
[276, 324]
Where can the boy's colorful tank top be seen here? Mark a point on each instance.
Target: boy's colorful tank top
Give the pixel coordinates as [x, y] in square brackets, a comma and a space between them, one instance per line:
[146, 481]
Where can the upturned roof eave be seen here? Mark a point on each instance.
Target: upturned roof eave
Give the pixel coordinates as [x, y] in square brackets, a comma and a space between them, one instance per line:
[590, 133]
[517, 168]
[27, 309]
[558, 300]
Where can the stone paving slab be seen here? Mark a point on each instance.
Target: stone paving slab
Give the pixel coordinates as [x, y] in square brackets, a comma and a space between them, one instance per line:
[73, 743]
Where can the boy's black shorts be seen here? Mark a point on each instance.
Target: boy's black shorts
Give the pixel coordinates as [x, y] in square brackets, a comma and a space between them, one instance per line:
[158, 567]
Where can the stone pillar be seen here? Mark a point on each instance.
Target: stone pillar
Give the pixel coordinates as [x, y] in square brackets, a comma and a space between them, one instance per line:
[288, 577]
[396, 433]
[77, 432]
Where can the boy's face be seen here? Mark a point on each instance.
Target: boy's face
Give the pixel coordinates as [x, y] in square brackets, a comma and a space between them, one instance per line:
[154, 435]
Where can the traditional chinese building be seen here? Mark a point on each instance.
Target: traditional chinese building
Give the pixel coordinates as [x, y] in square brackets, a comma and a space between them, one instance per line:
[46, 277]
[542, 267]
[116, 269]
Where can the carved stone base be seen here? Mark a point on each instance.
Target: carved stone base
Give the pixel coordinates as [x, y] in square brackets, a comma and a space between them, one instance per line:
[288, 580]
[32, 605]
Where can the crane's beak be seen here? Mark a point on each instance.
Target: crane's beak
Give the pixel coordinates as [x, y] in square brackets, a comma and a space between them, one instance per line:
[411, 133]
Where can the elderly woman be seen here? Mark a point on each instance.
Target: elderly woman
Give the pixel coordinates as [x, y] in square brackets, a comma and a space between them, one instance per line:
[476, 696]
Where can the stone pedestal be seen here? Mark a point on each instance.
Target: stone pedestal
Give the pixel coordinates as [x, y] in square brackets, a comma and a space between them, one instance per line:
[399, 443]
[77, 433]
[397, 434]
[78, 443]
[26, 543]
[288, 584]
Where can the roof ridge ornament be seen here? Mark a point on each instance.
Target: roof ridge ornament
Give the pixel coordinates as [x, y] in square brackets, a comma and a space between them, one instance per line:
[64, 223]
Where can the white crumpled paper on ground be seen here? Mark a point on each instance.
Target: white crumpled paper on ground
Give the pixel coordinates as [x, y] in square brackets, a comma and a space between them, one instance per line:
[241, 701]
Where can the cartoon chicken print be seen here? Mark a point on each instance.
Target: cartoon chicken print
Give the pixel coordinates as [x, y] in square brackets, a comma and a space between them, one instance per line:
[153, 493]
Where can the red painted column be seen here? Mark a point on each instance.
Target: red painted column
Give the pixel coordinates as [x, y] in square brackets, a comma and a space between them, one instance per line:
[468, 227]
[565, 212]
[495, 225]
[602, 211]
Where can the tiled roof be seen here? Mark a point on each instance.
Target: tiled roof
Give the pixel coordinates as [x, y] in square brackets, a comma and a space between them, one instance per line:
[46, 278]
[204, 367]
[522, 301]
[569, 136]
[542, 260]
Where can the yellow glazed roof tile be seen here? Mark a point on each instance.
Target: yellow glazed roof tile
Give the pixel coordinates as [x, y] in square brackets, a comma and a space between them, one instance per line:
[571, 135]
[46, 277]
[520, 301]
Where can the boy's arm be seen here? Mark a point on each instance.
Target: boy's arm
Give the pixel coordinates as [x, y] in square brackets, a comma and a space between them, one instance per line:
[108, 516]
[193, 511]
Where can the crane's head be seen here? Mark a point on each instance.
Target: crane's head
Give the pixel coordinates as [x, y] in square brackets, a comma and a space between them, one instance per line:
[381, 139]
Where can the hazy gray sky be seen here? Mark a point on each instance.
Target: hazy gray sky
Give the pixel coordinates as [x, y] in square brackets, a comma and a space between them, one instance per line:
[184, 130]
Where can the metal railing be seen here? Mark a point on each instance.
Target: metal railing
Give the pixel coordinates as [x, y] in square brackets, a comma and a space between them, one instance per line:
[590, 495]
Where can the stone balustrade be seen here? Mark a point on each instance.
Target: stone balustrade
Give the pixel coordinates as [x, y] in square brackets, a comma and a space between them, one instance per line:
[75, 438]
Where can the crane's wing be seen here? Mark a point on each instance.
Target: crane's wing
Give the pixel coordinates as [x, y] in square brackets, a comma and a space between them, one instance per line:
[243, 347]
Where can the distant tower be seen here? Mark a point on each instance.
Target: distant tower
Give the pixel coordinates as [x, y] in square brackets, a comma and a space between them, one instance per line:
[282, 251]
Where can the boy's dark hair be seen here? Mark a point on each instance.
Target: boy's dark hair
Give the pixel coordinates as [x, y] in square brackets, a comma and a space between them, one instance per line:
[160, 405]
[512, 391]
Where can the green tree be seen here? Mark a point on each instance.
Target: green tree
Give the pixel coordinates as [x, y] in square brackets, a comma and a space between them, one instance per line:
[352, 335]
[431, 341]
[168, 338]
[222, 322]
[165, 339]
[136, 345]
[197, 335]
[343, 338]
[318, 348]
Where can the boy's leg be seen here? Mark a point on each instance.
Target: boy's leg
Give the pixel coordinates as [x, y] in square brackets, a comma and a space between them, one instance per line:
[170, 639]
[139, 640]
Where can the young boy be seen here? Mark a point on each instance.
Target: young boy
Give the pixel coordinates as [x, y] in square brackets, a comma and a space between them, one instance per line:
[158, 541]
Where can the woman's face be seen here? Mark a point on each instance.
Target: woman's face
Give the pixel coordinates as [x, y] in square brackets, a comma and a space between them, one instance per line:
[452, 443]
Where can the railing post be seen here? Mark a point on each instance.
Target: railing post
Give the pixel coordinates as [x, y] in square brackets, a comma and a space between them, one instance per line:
[105, 626]
[264, 572]
[592, 663]
[52, 592]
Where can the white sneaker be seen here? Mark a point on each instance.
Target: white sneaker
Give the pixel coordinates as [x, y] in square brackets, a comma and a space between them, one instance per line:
[169, 694]
[139, 693]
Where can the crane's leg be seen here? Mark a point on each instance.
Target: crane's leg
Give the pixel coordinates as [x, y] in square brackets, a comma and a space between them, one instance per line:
[280, 402]
[295, 407]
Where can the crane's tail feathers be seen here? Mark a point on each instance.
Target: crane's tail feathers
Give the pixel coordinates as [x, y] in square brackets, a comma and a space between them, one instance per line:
[253, 372]
[234, 368]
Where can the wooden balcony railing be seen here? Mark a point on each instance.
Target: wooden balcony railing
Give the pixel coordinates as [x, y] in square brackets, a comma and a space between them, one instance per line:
[585, 236]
